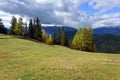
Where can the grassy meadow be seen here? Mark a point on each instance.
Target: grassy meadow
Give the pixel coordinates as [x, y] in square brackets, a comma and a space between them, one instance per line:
[22, 59]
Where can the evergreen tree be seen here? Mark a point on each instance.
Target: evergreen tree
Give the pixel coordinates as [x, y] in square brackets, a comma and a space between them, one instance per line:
[13, 24]
[64, 40]
[25, 30]
[2, 27]
[50, 40]
[34, 23]
[31, 30]
[44, 37]
[58, 39]
[54, 35]
[38, 33]
[19, 27]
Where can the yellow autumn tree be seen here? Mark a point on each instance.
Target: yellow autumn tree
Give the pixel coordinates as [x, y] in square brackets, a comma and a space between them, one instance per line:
[50, 40]
[44, 38]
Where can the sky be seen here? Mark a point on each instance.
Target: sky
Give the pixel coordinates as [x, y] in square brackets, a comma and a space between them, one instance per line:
[74, 13]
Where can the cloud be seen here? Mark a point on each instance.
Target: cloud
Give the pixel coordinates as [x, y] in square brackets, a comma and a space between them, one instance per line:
[107, 20]
[104, 5]
[64, 12]
[6, 17]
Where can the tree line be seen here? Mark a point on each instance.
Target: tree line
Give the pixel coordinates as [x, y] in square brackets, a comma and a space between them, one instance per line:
[3, 30]
[83, 39]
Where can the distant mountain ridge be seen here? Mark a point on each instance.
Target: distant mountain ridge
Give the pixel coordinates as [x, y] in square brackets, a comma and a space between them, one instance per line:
[70, 31]
[107, 30]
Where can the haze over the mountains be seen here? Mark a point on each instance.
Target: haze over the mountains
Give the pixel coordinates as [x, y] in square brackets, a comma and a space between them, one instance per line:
[75, 13]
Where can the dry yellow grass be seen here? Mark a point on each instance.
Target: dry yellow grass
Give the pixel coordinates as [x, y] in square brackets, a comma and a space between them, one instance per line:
[26, 60]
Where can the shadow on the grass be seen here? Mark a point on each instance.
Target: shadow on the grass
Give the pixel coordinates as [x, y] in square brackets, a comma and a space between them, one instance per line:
[7, 38]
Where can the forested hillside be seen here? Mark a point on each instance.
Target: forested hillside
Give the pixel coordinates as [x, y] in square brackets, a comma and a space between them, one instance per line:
[107, 43]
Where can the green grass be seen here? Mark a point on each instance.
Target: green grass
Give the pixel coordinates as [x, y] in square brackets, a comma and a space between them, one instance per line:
[27, 60]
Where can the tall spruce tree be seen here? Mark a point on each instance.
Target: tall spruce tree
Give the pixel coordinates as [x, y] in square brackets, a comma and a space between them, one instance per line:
[31, 30]
[2, 27]
[13, 24]
[25, 30]
[58, 39]
[19, 27]
[38, 32]
[64, 39]
[54, 35]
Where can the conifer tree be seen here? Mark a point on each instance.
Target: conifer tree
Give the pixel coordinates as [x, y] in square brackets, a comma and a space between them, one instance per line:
[91, 45]
[54, 35]
[25, 30]
[83, 40]
[2, 27]
[58, 39]
[19, 27]
[13, 24]
[38, 33]
[64, 40]
[76, 42]
[31, 30]
[50, 40]
[90, 38]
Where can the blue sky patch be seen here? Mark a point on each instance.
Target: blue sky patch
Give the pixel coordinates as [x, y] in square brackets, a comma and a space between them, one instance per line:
[88, 9]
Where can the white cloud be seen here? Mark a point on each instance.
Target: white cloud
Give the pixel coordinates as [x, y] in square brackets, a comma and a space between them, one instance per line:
[107, 20]
[66, 12]
[6, 17]
[104, 5]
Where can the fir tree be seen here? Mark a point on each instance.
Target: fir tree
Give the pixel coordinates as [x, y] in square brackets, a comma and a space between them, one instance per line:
[64, 40]
[38, 33]
[31, 30]
[58, 39]
[19, 27]
[13, 24]
[2, 27]
[25, 30]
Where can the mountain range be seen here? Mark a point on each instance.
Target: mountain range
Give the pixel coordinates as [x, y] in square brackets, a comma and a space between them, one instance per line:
[72, 30]
[107, 30]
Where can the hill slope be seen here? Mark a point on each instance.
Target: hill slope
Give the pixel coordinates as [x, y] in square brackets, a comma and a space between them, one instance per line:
[26, 60]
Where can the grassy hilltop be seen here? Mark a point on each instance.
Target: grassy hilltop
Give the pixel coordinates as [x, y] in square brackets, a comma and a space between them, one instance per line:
[27, 60]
